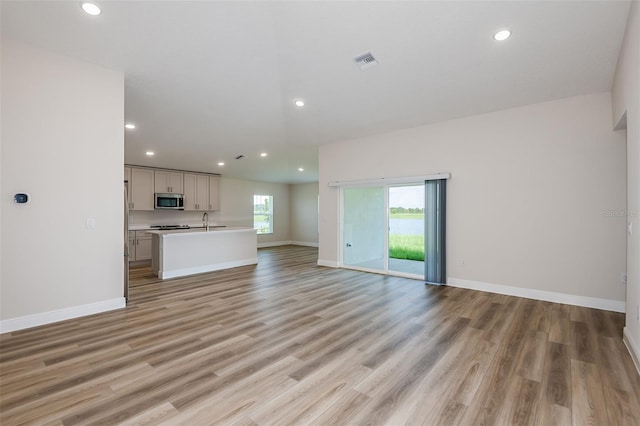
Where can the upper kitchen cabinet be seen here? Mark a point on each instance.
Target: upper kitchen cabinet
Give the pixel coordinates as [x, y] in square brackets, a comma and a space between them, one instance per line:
[141, 188]
[168, 181]
[196, 191]
[214, 192]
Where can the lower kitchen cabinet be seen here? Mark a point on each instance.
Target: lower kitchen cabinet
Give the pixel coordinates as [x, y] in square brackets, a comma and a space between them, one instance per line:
[132, 246]
[139, 246]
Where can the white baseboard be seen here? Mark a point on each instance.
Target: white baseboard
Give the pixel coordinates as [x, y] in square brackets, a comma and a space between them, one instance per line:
[274, 244]
[174, 273]
[549, 296]
[49, 317]
[328, 263]
[303, 243]
[632, 347]
[287, 243]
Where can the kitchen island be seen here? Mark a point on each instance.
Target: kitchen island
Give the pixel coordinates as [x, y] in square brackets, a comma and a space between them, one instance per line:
[178, 253]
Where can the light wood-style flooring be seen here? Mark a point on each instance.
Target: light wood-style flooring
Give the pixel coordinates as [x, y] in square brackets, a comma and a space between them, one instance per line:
[289, 342]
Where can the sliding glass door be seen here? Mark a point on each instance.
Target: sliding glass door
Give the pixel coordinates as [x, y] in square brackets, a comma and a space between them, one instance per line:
[406, 229]
[396, 229]
[363, 228]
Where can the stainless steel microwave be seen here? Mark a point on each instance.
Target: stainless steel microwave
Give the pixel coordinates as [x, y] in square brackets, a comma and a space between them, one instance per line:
[169, 201]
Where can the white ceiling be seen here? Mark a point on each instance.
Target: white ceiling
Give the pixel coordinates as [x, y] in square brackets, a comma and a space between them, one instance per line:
[206, 81]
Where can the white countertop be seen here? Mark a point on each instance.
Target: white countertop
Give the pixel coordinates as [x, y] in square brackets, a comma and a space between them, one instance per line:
[148, 227]
[195, 231]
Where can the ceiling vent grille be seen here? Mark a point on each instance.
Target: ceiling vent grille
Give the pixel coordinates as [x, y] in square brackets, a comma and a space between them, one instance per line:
[365, 61]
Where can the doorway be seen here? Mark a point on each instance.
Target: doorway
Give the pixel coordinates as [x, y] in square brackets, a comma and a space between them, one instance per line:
[395, 229]
[406, 229]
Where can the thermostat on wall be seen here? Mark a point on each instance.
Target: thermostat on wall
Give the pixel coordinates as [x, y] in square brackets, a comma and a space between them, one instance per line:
[21, 198]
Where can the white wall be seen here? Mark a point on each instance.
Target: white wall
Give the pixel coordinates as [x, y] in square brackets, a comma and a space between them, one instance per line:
[236, 209]
[528, 199]
[626, 99]
[304, 213]
[62, 142]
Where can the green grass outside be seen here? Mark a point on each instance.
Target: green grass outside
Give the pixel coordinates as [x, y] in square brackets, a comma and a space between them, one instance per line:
[410, 247]
[406, 216]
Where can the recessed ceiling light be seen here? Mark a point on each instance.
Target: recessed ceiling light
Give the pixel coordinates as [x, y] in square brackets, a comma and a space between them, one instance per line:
[130, 126]
[264, 154]
[91, 8]
[220, 163]
[300, 169]
[299, 103]
[502, 35]
[150, 153]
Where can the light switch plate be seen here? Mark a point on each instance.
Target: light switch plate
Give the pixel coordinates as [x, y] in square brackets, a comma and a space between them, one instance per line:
[91, 223]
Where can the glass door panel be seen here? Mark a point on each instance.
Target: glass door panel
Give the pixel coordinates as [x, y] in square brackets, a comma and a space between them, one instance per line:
[364, 227]
[406, 229]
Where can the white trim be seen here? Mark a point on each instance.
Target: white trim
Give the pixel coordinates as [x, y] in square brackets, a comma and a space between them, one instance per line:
[632, 347]
[549, 296]
[287, 243]
[173, 273]
[363, 269]
[388, 272]
[274, 244]
[390, 181]
[28, 321]
[328, 263]
[303, 243]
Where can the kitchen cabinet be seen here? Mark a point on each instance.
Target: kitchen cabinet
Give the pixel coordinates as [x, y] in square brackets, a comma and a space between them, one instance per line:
[196, 192]
[214, 193]
[143, 246]
[132, 246]
[127, 177]
[201, 190]
[141, 188]
[139, 246]
[167, 181]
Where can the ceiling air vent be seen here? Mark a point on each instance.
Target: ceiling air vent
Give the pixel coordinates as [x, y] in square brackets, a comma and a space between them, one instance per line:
[365, 61]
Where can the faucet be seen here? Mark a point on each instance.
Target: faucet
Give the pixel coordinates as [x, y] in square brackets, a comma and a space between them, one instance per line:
[205, 220]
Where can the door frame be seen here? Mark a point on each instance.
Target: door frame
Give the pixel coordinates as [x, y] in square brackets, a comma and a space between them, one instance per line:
[385, 183]
[341, 242]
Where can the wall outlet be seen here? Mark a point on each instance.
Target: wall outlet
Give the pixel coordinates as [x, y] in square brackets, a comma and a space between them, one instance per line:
[91, 223]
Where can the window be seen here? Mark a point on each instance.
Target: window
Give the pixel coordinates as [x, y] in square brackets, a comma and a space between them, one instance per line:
[263, 214]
